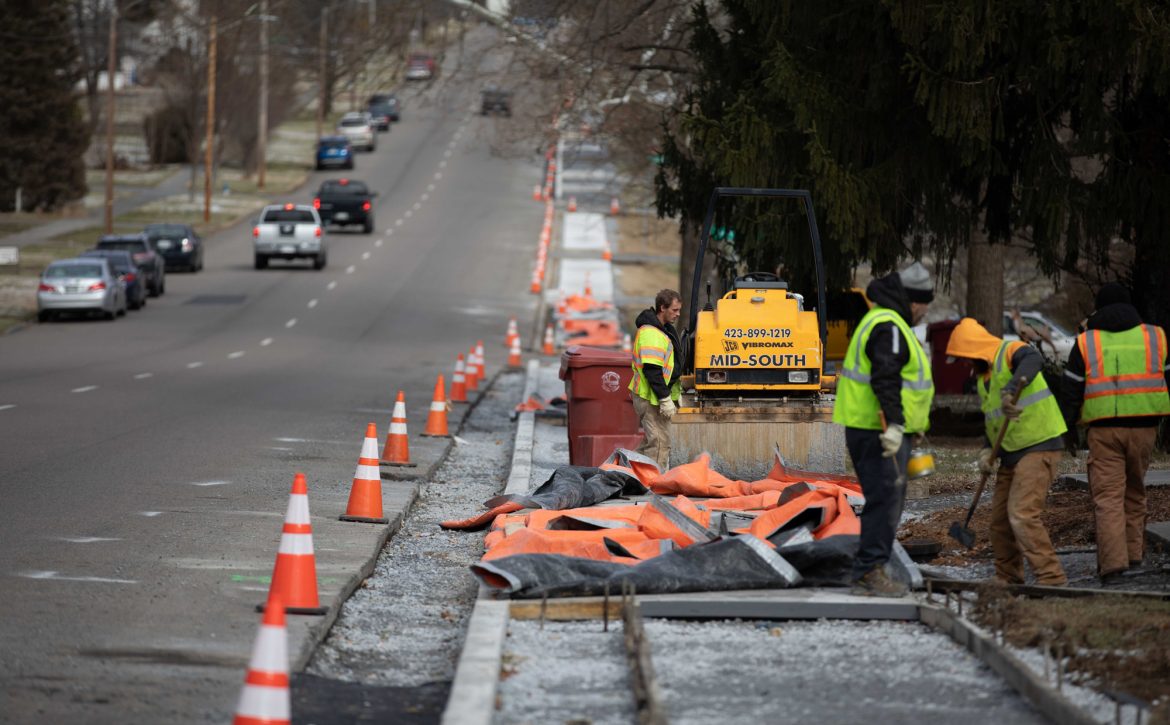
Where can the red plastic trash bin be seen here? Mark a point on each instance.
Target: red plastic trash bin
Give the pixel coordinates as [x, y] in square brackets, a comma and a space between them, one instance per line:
[950, 377]
[600, 413]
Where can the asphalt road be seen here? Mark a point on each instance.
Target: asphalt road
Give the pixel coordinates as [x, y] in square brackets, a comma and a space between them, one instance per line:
[145, 463]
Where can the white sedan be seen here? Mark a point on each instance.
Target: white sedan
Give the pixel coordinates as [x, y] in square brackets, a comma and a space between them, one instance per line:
[358, 127]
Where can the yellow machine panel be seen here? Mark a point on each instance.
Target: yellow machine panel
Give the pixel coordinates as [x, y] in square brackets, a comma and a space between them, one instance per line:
[758, 341]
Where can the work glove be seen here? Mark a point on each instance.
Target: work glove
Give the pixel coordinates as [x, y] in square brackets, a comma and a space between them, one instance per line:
[985, 462]
[891, 439]
[667, 408]
[1011, 411]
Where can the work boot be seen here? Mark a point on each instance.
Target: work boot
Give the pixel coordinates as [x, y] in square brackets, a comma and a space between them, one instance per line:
[877, 583]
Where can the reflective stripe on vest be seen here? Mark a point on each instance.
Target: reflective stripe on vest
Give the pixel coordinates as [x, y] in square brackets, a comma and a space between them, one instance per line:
[1124, 373]
[856, 405]
[1040, 418]
[652, 346]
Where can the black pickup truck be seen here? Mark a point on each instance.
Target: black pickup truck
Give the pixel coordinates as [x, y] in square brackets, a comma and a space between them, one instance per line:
[344, 202]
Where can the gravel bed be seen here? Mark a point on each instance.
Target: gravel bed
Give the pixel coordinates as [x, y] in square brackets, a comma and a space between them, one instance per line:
[405, 626]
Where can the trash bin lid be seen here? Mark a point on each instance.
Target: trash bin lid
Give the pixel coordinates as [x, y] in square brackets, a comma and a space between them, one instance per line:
[581, 356]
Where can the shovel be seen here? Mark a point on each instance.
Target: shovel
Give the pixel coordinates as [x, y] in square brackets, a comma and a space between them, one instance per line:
[962, 534]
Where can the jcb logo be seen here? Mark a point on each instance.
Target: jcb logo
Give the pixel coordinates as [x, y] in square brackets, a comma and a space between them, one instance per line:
[730, 346]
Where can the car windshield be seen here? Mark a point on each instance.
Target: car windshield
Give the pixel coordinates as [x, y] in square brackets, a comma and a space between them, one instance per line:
[118, 262]
[333, 144]
[300, 216]
[166, 231]
[352, 122]
[383, 109]
[63, 271]
[1046, 324]
[349, 187]
[130, 245]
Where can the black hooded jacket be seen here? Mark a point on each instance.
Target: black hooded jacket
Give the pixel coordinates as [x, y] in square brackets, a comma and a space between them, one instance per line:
[1110, 318]
[653, 373]
[886, 349]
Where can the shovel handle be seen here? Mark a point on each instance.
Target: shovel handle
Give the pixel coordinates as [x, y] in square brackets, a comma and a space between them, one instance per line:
[994, 453]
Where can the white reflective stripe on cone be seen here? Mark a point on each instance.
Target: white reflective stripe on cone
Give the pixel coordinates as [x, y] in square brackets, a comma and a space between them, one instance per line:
[270, 653]
[298, 509]
[398, 428]
[369, 448]
[296, 544]
[438, 405]
[264, 703]
[399, 410]
[367, 473]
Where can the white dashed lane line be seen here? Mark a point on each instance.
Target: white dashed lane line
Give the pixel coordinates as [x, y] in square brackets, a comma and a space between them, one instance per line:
[84, 389]
[291, 322]
[84, 539]
[417, 206]
[425, 196]
[61, 577]
[447, 154]
[332, 285]
[235, 355]
[408, 214]
[350, 269]
[365, 255]
[7, 407]
[150, 514]
[193, 365]
[210, 483]
[143, 376]
[266, 342]
[430, 187]
[378, 243]
[397, 222]
[312, 304]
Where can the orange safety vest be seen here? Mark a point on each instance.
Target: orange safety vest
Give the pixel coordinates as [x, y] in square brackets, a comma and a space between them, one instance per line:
[1124, 373]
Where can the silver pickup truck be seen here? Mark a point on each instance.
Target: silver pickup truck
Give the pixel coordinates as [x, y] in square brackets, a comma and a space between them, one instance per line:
[289, 231]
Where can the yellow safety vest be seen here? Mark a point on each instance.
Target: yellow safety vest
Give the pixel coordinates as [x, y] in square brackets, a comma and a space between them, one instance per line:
[1040, 419]
[653, 346]
[857, 405]
[1124, 373]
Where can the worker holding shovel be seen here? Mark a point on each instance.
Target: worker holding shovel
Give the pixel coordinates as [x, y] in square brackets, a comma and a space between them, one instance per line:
[1016, 402]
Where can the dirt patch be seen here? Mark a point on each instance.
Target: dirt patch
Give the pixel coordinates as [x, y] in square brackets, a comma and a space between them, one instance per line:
[647, 234]
[1068, 516]
[1112, 643]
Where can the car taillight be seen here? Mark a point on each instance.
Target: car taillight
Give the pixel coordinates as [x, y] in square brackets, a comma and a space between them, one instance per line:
[129, 276]
[317, 231]
[46, 288]
[365, 206]
[317, 203]
[96, 287]
[255, 231]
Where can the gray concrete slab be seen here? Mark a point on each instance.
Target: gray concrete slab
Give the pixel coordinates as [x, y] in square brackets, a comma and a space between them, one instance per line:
[1158, 533]
[1154, 479]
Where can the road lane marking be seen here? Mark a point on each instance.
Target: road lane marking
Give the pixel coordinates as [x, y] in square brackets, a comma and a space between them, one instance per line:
[425, 196]
[285, 439]
[430, 187]
[6, 407]
[417, 206]
[150, 514]
[447, 153]
[408, 214]
[210, 483]
[438, 175]
[279, 448]
[332, 285]
[85, 539]
[443, 164]
[378, 243]
[266, 342]
[291, 322]
[350, 269]
[312, 303]
[365, 255]
[60, 577]
[389, 232]
[85, 389]
[193, 365]
[235, 355]
[143, 376]
[397, 222]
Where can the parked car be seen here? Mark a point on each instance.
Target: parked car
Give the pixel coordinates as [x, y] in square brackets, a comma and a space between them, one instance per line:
[289, 231]
[1052, 338]
[358, 127]
[80, 285]
[420, 67]
[123, 267]
[345, 201]
[334, 151]
[179, 245]
[389, 102]
[495, 100]
[150, 262]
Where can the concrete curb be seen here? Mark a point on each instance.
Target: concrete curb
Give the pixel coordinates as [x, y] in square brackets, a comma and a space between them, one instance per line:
[472, 700]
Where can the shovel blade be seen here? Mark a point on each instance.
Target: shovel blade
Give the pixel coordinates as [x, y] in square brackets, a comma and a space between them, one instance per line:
[961, 534]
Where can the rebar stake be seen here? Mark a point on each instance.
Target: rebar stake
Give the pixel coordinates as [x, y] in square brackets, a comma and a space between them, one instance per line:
[605, 609]
[543, 609]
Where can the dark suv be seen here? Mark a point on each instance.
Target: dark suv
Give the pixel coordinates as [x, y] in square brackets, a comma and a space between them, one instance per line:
[149, 261]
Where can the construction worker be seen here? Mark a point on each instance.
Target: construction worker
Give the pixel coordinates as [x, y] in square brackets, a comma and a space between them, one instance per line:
[883, 394]
[1115, 382]
[1028, 455]
[655, 388]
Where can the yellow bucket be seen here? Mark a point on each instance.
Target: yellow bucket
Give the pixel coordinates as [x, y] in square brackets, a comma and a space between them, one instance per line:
[921, 463]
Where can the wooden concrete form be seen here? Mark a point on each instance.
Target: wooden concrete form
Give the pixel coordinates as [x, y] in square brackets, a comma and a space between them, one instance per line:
[741, 444]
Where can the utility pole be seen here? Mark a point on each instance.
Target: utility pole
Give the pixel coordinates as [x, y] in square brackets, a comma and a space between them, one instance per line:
[210, 140]
[110, 108]
[321, 70]
[262, 131]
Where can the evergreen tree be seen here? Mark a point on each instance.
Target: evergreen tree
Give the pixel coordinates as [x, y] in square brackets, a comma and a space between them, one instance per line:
[43, 136]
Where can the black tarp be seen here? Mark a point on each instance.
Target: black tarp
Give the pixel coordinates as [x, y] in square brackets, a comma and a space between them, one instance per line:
[571, 487]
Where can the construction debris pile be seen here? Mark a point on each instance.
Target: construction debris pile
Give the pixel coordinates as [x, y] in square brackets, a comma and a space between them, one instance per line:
[587, 530]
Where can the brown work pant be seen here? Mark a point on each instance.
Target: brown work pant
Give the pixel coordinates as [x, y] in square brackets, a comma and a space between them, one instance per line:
[1016, 530]
[656, 444]
[1118, 460]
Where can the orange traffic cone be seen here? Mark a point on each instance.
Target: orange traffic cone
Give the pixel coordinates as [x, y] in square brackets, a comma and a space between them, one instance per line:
[606, 253]
[437, 420]
[365, 497]
[549, 343]
[459, 382]
[572, 203]
[294, 579]
[536, 193]
[627, 344]
[480, 371]
[512, 333]
[265, 698]
[514, 360]
[614, 207]
[396, 452]
[472, 369]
